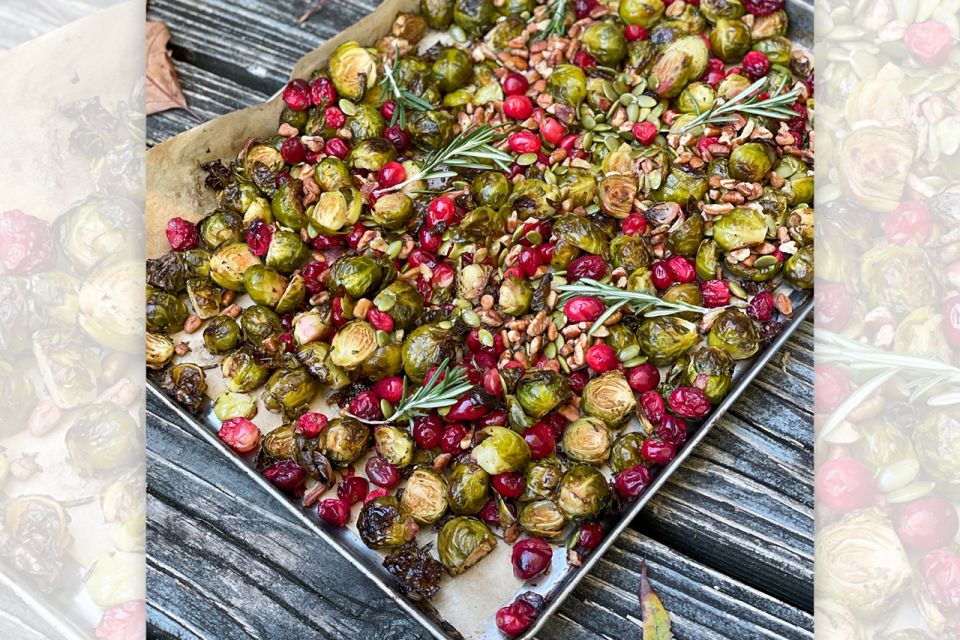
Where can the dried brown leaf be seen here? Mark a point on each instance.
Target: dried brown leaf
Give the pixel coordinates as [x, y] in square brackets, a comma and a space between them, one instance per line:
[163, 88]
[656, 620]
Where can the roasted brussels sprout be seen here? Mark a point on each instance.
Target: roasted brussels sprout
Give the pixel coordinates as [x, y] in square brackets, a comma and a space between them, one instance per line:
[386, 361]
[332, 174]
[532, 197]
[490, 189]
[261, 328]
[629, 252]
[609, 398]
[501, 450]
[228, 264]
[394, 445]
[567, 84]
[898, 277]
[287, 252]
[221, 227]
[222, 334]
[734, 333]
[98, 226]
[452, 69]
[714, 10]
[289, 389]
[185, 382]
[107, 301]
[682, 61]
[666, 338]
[353, 344]
[372, 154]
[616, 195]
[515, 295]
[287, 205]
[335, 210]
[710, 369]
[427, 346]
[798, 269]
[474, 16]
[540, 391]
[345, 441]
[366, 123]
[583, 493]
[437, 13]
[165, 313]
[626, 451]
[469, 487]
[425, 496]
[642, 12]
[542, 479]
[264, 285]
[384, 524]
[205, 297]
[402, 301]
[684, 239]
[937, 443]
[393, 211]
[680, 186]
[604, 40]
[103, 440]
[159, 350]
[730, 39]
[353, 70]
[750, 162]
[587, 440]
[696, 97]
[356, 276]
[68, 366]
[230, 405]
[463, 542]
[260, 157]
[314, 356]
[741, 227]
[541, 518]
[776, 48]
[430, 130]
[769, 26]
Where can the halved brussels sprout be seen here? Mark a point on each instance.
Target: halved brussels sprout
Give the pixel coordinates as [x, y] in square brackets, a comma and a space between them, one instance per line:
[165, 313]
[629, 252]
[515, 295]
[567, 84]
[383, 523]
[393, 211]
[228, 264]
[626, 451]
[621, 338]
[583, 493]
[642, 12]
[616, 195]
[541, 518]
[204, 297]
[427, 346]
[714, 10]
[102, 440]
[734, 332]
[500, 36]
[372, 154]
[287, 205]
[469, 487]
[710, 369]
[335, 210]
[579, 185]
[540, 391]
[775, 24]
[242, 373]
[741, 227]
[609, 398]
[472, 281]
[221, 227]
[604, 40]
[542, 479]
[264, 285]
[332, 174]
[353, 344]
[680, 185]
[776, 48]
[159, 350]
[425, 496]
[474, 16]
[730, 39]
[587, 440]
[386, 361]
[222, 334]
[394, 445]
[501, 450]
[229, 405]
[353, 70]
[345, 441]
[798, 269]
[696, 97]
[261, 154]
[289, 389]
[463, 542]
[733, 85]
[532, 197]
[750, 162]
[402, 301]
[666, 338]
[314, 356]
[185, 382]
[68, 365]
[684, 239]
[683, 60]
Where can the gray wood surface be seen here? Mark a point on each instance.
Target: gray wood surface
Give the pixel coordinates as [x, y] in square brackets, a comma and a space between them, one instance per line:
[728, 541]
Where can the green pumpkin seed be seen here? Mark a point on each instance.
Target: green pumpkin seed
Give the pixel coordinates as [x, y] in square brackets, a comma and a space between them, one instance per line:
[897, 475]
[550, 350]
[764, 262]
[457, 33]
[609, 91]
[635, 362]
[549, 178]
[602, 127]
[633, 112]
[910, 492]
[737, 290]
[383, 338]
[348, 107]
[639, 88]
[621, 87]
[629, 353]
[627, 99]
[588, 122]
[394, 249]
[564, 365]
[612, 143]
[470, 318]
[526, 159]
[587, 140]
[486, 338]
[445, 324]
[648, 102]
[386, 408]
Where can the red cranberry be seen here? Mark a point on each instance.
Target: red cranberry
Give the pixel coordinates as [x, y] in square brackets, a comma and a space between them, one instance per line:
[119, 621]
[910, 221]
[334, 511]
[452, 438]
[524, 142]
[496, 418]
[591, 535]
[297, 95]
[516, 618]
[635, 32]
[584, 60]
[289, 344]
[831, 388]
[380, 320]
[443, 275]
[490, 513]
[259, 235]
[517, 107]
[661, 275]
[927, 523]
[672, 429]
[583, 309]
[588, 266]
[427, 431]
[382, 473]
[755, 65]
[682, 269]
[644, 377]
[352, 489]
[493, 382]
[21, 244]
[631, 482]
[716, 293]
[602, 358]
[941, 575]
[322, 92]
[929, 43]
[418, 257]
[514, 272]
[951, 320]
[763, 7]
[761, 306]
[470, 407]
[653, 406]
[240, 434]
[509, 484]
[552, 131]
[515, 84]
[529, 261]
[355, 235]
[569, 141]
[376, 493]
[689, 402]
[540, 439]
[292, 151]
[578, 381]
[430, 239]
[441, 210]
[397, 136]
[634, 225]
[334, 118]
[286, 475]
[337, 148]
[389, 389]
[582, 8]
[312, 273]
[366, 405]
[391, 174]
[310, 424]
[387, 110]
[531, 557]
[832, 307]
[844, 484]
[658, 451]
[645, 132]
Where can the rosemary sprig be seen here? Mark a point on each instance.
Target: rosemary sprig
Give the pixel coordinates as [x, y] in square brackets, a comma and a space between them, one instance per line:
[402, 98]
[777, 106]
[645, 304]
[558, 21]
[471, 149]
[442, 390]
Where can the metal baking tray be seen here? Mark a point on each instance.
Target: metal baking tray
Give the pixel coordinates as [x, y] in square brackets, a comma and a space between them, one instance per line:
[497, 585]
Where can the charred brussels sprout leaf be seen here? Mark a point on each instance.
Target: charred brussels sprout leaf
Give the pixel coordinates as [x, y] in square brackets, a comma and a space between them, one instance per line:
[609, 398]
[501, 450]
[541, 391]
[734, 333]
[384, 524]
[415, 569]
[587, 440]
[425, 496]
[463, 542]
[583, 493]
[469, 487]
